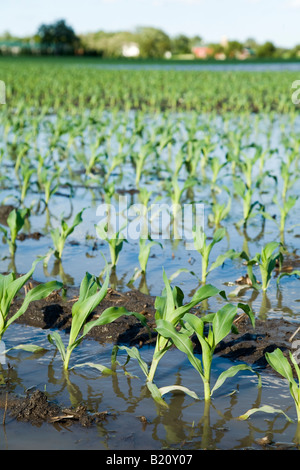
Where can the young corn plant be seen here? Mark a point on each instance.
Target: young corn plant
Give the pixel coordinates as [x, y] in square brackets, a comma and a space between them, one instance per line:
[47, 183]
[10, 285]
[170, 308]
[60, 234]
[26, 173]
[91, 293]
[246, 194]
[266, 260]
[284, 207]
[204, 248]
[15, 222]
[281, 364]
[219, 213]
[220, 325]
[144, 253]
[115, 241]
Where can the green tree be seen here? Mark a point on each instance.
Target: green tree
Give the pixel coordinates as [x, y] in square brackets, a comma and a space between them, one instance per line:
[233, 47]
[181, 44]
[152, 42]
[57, 37]
[266, 50]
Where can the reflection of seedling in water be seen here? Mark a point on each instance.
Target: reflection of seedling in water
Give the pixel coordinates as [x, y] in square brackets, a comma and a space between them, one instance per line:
[91, 293]
[15, 222]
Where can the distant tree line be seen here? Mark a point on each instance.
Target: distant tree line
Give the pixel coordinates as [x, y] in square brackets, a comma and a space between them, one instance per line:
[59, 38]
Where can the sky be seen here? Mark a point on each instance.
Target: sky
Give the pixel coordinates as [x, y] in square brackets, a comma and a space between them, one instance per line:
[264, 20]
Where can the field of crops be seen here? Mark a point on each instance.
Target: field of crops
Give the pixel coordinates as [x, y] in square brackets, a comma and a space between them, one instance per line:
[179, 185]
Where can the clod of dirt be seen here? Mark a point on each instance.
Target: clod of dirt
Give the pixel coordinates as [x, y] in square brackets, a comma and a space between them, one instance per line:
[25, 236]
[245, 281]
[36, 409]
[5, 210]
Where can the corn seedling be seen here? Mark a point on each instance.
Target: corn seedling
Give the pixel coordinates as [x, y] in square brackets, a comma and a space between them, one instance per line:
[246, 194]
[91, 293]
[266, 260]
[115, 241]
[219, 213]
[169, 306]
[47, 183]
[284, 207]
[60, 234]
[281, 364]
[10, 285]
[15, 222]
[220, 325]
[144, 253]
[204, 248]
[288, 178]
[26, 173]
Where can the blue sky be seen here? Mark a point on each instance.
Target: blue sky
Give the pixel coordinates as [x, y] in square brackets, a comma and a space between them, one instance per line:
[275, 20]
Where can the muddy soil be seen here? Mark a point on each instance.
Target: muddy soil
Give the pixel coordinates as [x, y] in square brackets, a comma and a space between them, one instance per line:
[249, 345]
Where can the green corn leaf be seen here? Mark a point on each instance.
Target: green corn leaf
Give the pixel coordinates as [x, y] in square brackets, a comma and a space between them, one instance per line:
[56, 340]
[33, 348]
[222, 322]
[86, 304]
[230, 254]
[201, 294]
[181, 341]
[111, 314]
[231, 372]
[265, 409]
[248, 310]
[280, 363]
[174, 388]
[103, 369]
[135, 354]
[156, 395]
[292, 273]
[268, 250]
[37, 293]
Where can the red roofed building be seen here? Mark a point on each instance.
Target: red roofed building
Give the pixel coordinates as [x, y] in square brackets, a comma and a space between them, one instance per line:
[202, 52]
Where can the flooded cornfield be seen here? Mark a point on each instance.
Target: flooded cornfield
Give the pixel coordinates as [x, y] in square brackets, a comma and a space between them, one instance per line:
[149, 293]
